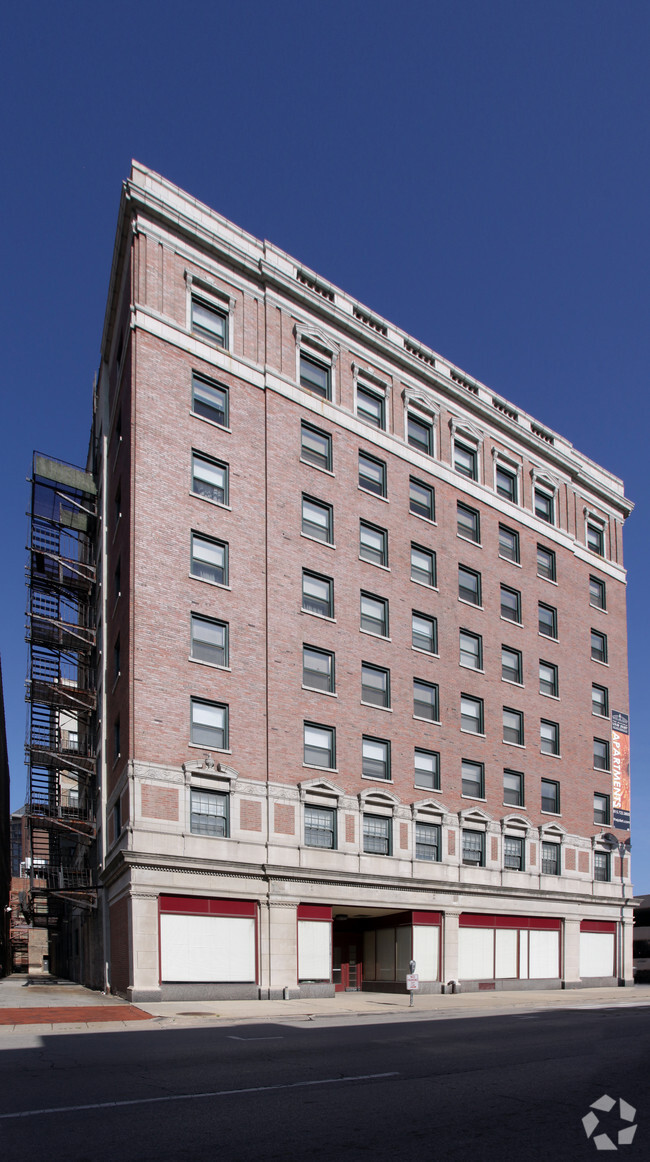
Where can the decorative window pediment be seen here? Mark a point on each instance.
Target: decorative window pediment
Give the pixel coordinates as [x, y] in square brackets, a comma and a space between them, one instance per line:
[319, 787]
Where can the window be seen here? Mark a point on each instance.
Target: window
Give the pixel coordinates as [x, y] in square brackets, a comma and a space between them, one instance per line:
[597, 593]
[513, 853]
[208, 640]
[600, 701]
[473, 848]
[424, 633]
[317, 594]
[511, 668]
[117, 505]
[598, 646]
[547, 620]
[116, 658]
[473, 779]
[372, 474]
[209, 322]
[316, 447]
[508, 544]
[466, 460]
[425, 700]
[319, 745]
[318, 669]
[420, 434]
[468, 523]
[511, 604]
[117, 579]
[421, 499]
[320, 827]
[551, 859]
[371, 407]
[210, 478]
[471, 714]
[116, 740]
[209, 560]
[545, 563]
[210, 401]
[550, 797]
[427, 841]
[469, 585]
[315, 376]
[601, 754]
[373, 544]
[375, 758]
[427, 769]
[374, 614]
[544, 506]
[423, 565]
[513, 788]
[375, 685]
[208, 813]
[601, 809]
[209, 724]
[548, 679]
[506, 483]
[513, 726]
[596, 539]
[471, 650]
[602, 866]
[550, 737]
[377, 835]
[317, 520]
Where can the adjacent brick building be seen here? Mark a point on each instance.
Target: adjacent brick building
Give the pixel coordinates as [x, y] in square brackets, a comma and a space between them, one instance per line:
[362, 631]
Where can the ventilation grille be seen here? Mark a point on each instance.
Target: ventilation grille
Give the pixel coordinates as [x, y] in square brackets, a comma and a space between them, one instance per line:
[541, 434]
[317, 287]
[376, 325]
[419, 353]
[462, 382]
[504, 409]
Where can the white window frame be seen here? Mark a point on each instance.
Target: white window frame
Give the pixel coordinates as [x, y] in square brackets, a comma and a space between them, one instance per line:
[213, 297]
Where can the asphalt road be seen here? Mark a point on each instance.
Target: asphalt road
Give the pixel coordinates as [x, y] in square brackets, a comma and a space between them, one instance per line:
[486, 1089]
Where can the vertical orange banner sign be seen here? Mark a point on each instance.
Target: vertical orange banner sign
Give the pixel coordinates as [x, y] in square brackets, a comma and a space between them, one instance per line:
[621, 770]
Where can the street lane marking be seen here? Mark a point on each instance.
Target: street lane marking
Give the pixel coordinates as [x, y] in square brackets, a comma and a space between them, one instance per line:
[143, 1101]
[279, 1038]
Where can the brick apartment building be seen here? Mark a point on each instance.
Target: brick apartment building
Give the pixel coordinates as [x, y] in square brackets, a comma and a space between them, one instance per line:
[361, 635]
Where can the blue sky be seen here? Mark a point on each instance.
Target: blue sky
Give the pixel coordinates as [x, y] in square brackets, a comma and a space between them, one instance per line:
[476, 172]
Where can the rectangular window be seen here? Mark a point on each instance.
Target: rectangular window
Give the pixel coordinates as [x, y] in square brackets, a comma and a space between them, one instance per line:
[471, 714]
[550, 797]
[117, 580]
[513, 788]
[473, 848]
[373, 544]
[421, 499]
[375, 758]
[427, 769]
[377, 835]
[116, 658]
[508, 544]
[598, 646]
[315, 447]
[601, 809]
[423, 565]
[469, 585]
[601, 754]
[601, 867]
[208, 640]
[513, 853]
[315, 376]
[375, 685]
[209, 559]
[597, 593]
[506, 483]
[210, 401]
[425, 700]
[511, 667]
[319, 745]
[374, 614]
[371, 407]
[317, 594]
[545, 563]
[473, 779]
[208, 813]
[424, 633]
[550, 737]
[548, 679]
[596, 539]
[209, 724]
[600, 701]
[466, 460]
[317, 520]
[116, 740]
[372, 474]
[320, 827]
[209, 478]
[419, 434]
[547, 620]
[471, 650]
[468, 523]
[318, 669]
[427, 841]
[544, 506]
[511, 604]
[513, 726]
[551, 859]
[209, 322]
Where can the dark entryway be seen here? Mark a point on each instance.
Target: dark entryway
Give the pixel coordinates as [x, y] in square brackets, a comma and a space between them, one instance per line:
[347, 960]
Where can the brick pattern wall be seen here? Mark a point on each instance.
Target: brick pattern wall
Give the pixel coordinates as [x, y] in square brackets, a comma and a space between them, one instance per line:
[349, 828]
[403, 836]
[583, 861]
[494, 848]
[570, 858]
[451, 842]
[284, 819]
[250, 815]
[533, 855]
[159, 803]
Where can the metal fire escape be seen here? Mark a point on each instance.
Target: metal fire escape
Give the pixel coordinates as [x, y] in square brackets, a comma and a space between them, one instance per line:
[61, 691]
